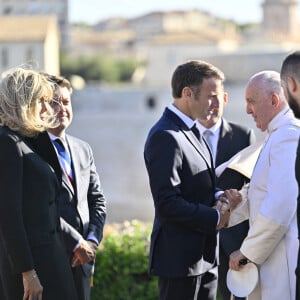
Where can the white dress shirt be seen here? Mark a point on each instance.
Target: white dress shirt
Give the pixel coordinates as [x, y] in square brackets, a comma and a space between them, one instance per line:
[214, 137]
[187, 120]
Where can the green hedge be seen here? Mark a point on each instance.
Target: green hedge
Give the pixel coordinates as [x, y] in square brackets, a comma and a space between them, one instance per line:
[122, 263]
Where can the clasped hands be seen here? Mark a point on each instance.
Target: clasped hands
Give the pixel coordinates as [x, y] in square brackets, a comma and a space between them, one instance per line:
[84, 253]
[227, 202]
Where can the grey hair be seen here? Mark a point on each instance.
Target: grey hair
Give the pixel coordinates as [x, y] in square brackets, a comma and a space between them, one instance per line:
[22, 94]
[270, 82]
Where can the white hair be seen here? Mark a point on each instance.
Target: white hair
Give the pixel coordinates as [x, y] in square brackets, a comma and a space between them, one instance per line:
[269, 82]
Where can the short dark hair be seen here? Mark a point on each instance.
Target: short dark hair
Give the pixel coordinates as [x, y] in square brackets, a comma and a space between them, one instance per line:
[291, 66]
[58, 81]
[191, 74]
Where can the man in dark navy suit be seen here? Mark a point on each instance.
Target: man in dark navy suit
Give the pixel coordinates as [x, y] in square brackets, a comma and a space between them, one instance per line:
[182, 182]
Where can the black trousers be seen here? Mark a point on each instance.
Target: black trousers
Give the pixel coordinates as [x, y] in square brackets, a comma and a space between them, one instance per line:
[201, 287]
[82, 283]
[1, 290]
[297, 288]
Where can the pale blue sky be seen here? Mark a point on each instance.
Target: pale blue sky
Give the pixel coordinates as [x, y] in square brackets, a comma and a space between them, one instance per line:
[91, 11]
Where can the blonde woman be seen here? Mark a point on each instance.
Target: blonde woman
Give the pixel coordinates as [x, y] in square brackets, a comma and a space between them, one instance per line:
[33, 262]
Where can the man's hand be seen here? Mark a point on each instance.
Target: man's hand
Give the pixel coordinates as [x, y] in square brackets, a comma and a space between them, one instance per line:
[84, 253]
[235, 260]
[93, 245]
[32, 286]
[234, 197]
[223, 206]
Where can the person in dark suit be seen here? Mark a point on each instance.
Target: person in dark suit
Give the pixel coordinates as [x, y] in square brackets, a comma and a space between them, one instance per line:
[33, 259]
[225, 140]
[82, 202]
[182, 182]
[290, 77]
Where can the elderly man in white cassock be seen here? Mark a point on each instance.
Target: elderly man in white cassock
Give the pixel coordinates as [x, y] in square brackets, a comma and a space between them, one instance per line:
[270, 200]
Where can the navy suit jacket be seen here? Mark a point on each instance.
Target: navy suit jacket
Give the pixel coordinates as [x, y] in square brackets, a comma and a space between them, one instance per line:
[83, 206]
[182, 182]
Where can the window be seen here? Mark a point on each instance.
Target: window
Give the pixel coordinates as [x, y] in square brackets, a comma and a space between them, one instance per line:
[4, 57]
[7, 10]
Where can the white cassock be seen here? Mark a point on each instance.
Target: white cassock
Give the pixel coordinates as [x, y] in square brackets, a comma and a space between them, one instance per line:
[270, 202]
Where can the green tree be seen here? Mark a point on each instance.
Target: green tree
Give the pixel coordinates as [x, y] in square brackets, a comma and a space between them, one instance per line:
[102, 68]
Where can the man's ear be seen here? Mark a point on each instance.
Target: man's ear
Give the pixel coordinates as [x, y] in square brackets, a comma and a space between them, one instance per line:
[187, 92]
[292, 84]
[225, 98]
[275, 100]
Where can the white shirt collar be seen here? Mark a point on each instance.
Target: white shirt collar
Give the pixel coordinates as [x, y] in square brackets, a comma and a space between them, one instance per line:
[273, 123]
[54, 137]
[187, 120]
[215, 130]
[62, 138]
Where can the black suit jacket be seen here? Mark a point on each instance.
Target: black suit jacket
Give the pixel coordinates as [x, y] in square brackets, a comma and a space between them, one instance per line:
[233, 138]
[182, 182]
[82, 206]
[30, 234]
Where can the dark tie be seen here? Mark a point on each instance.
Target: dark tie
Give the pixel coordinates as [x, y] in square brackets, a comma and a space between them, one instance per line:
[196, 132]
[64, 158]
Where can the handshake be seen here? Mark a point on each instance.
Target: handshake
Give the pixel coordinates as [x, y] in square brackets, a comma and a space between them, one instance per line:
[225, 204]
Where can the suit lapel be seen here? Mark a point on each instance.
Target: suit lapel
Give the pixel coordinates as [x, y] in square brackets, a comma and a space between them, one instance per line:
[201, 149]
[44, 147]
[59, 170]
[66, 181]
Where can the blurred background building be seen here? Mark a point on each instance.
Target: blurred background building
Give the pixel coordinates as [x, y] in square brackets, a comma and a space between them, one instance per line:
[164, 39]
[29, 40]
[58, 8]
[115, 119]
[280, 19]
[160, 39]
[33, 32]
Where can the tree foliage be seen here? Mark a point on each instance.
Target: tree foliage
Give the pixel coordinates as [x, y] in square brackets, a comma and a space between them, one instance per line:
[102, 68]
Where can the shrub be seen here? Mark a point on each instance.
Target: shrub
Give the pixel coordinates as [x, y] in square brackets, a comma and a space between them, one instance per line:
[122, 264]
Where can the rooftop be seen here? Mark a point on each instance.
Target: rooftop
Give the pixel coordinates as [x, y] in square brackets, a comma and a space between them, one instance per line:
[23, 28]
